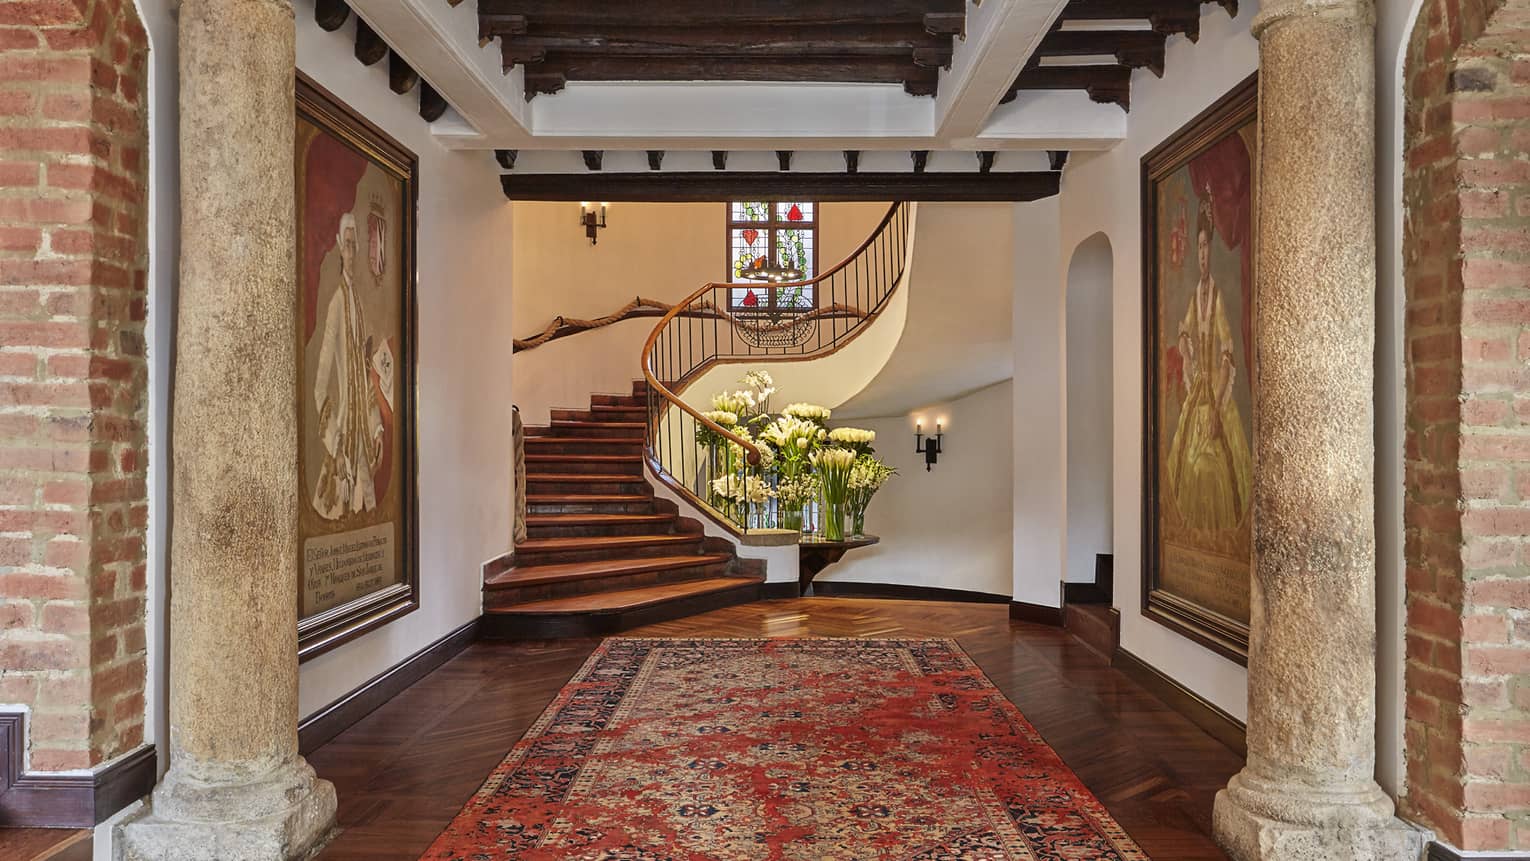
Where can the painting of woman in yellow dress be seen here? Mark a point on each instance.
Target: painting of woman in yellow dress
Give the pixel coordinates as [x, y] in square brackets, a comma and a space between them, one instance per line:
[1198, 235]
[1207, 474]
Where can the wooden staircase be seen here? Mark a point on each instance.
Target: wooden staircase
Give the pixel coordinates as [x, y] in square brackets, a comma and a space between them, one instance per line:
[602, 552]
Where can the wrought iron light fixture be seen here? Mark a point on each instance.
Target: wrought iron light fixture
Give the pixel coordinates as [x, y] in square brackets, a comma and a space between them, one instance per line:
[593, 217]
[759, 270]
[931, 447]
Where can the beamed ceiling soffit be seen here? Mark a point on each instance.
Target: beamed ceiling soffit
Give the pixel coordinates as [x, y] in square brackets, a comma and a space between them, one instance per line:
[540, 80]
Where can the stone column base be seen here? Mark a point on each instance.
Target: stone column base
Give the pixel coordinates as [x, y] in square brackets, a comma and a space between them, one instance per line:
[283, 814]
[1333, 826]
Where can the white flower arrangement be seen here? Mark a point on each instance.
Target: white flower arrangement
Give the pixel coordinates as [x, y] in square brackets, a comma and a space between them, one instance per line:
[723, 417]
[761, 384]
[793, 493]
[853, 436]
[868, 475]
[737, 489]
[741, 403]
[808, 412]
[793, 438]
[831, 459]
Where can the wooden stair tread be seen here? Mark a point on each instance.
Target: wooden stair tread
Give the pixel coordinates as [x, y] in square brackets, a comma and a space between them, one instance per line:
[582, 440]
[600, 542]
[626, 599]
[586, 477]
[580, 458]
[580, 423]
[529, 575]
[595, 519]
[560, 498]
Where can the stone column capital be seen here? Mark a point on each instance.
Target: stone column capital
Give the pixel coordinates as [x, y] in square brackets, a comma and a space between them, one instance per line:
[1275, 12]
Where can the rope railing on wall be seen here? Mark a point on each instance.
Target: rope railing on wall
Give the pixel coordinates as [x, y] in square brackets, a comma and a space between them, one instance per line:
[562, 327]
[715, 466]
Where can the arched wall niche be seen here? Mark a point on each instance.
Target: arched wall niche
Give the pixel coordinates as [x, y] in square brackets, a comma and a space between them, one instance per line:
[1089, 356]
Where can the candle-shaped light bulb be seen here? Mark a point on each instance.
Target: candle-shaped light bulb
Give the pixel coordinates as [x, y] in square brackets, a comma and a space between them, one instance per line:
[918, 428]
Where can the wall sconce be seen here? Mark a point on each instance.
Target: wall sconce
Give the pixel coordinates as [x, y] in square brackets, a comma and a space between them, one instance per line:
[930, 448]
[593, 217]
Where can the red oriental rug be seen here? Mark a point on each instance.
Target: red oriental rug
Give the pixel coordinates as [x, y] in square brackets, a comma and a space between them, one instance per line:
[807, 750]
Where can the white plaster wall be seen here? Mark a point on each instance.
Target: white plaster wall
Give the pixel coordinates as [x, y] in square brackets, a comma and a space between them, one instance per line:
[1039, 491]
[465, 464]
[1089, 354]
[1099, 194]
[951, 527]
[1394, 25]
[956, 340]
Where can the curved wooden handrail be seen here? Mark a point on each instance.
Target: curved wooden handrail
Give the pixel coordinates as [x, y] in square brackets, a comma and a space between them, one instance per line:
[751, 451]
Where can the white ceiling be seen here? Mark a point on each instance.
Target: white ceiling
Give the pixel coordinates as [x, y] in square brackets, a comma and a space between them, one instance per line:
[489, 109]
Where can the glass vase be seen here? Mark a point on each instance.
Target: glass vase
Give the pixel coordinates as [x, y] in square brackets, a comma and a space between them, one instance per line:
[833, 521]
[791, 518]
[858, 523]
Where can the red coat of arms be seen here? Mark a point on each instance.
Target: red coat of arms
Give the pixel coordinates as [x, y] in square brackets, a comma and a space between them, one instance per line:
[377, 243]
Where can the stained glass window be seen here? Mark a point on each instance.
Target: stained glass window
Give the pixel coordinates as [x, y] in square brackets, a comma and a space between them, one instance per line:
[772, 233]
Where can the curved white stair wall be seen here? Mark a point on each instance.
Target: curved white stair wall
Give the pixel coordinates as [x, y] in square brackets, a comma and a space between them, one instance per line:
[959, 296]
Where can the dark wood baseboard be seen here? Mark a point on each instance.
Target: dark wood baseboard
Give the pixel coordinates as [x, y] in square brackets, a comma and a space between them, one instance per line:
[856, 589]
[48, 800]
[777, 591]
[1024, 611]
[1201, 712]
[506, 626]
[1442, 852]
[330, 721]
[1085, 593]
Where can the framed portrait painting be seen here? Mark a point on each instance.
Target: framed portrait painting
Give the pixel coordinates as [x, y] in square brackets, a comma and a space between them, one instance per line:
[1198, 192]
[355, 386]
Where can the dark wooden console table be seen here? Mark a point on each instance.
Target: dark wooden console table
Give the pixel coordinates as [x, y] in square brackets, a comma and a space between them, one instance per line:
[814, 555]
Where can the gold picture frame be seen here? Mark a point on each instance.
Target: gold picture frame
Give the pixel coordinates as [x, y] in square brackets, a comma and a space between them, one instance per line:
[357, 193]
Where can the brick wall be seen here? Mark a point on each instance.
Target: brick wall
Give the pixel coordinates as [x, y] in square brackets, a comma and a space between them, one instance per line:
[73, 378]
[1467, 459]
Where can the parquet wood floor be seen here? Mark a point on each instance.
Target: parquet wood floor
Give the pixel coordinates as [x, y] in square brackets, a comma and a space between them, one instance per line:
[404, 771]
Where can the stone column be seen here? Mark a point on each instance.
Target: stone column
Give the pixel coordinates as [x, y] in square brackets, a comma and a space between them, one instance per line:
[1308, 791]
[237, 787]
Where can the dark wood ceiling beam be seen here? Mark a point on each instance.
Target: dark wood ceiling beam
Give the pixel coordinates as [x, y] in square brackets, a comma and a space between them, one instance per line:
[740, 14]
[852, 160]
[783, 159]
[719, 159]
[711, 186]
[432, 104]
[593, 159]
[1138, 49]
[330, 15]
[655, 159]
[946, 23]
[1104, 84]
[921, 158]
[985, 161]
[401, 76]
[506, 158]
[1057, 158]
[558, 69]
[1166, 16]
[490, 26]
[370, 47]
[717, 39]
